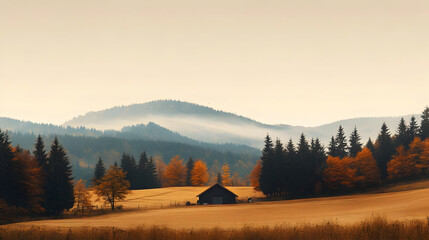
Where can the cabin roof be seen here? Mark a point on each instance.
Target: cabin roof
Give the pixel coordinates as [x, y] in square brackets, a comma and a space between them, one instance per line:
[213, 186]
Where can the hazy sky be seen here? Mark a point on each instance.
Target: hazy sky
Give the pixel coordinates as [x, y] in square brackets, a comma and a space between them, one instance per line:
[292, 61]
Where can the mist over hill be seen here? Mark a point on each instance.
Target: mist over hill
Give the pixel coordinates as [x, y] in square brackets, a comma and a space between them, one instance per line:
[209, 125]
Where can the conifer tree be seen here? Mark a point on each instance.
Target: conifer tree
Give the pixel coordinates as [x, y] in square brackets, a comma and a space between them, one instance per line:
[424, 125]
[267, 180]
[99, 171]
[290, 182]
[9, 184]
[332, 148]
[129, 165]
[279, 166]
[39, 152]
[219, 178]
[384, 150]
[402, 137]
[370, 146]
[355, 144]
[152, 174]
[59, 195]
[305, 167]
[189, 167]
[341, 143]
[142, 176]
[413, 129]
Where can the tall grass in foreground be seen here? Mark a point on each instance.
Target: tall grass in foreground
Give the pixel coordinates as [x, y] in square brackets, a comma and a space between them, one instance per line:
[374, 228]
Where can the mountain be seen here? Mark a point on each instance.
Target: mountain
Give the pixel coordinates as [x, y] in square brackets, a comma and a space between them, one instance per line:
[209, 125]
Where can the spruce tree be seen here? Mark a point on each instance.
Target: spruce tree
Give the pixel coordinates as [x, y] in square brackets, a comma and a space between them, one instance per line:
[304, 168]
[355, 144]
[129, 165]
[424, 125]
[267, 178]
[370, 146]
[99, 171]
[189, 167]
[59, 195]
[332, 148]
[219, 178]
[341, 143]
[402, 137]
[9, 180]
[290, 181]
[279, 161]
[39, 152]
[152, 174]
[384, 150]
[413, 129]
[142, 176]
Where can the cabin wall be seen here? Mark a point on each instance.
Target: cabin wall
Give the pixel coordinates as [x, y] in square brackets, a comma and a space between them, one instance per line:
[208, 196]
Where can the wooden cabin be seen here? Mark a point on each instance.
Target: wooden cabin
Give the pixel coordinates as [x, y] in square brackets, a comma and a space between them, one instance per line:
[217, 194]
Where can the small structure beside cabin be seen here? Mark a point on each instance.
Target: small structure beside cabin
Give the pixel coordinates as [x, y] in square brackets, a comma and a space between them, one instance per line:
[217, 194]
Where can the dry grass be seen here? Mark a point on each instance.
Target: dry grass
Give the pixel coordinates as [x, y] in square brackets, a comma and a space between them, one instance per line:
[374, 228]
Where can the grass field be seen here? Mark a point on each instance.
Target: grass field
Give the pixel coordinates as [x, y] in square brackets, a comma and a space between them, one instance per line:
[401, 205]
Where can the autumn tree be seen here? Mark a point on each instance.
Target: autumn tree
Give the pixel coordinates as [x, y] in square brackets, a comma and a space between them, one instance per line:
[99, 171]
[338, 176]
[226, 175]
[82, 196]
[160, 169]
[199, 174]
[424, 124]
[367, 173]
[113, 187]
[355, 145]
[189, 167]
[255, 175]
[59, 180]
[175, 172]
[402, 166]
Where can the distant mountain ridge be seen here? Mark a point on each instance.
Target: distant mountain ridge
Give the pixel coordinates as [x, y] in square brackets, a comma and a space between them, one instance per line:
[210, 125]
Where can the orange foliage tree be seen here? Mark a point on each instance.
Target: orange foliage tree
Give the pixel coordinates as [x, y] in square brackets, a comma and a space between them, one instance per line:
[175, 172]
[199, 174]
[255, 175]
[226, 175]
[367, 172]
[338, 175]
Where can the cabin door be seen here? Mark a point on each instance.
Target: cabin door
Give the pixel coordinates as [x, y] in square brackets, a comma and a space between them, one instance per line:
[217, 200]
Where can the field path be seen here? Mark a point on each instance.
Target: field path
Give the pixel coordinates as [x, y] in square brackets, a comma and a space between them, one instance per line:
[344, 209]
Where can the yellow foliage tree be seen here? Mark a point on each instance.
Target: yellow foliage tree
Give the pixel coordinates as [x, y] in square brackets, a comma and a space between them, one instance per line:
[226, 175]
[113, 186]
[338, 175]
[175, 172]
[199, 174]
[255, 175]
[82, 196]
[367, 173]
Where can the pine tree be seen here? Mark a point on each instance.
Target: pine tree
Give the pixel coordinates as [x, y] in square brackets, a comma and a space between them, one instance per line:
[305, 168]
[424, 125]
[129, 165]
[219, 178]
[189, 167]
[318, 158]
[59, 180]
[341, 143]
[370, 146]
[142, 176]
[39, 152]
[384, 150]
[152, 172]
[413, 129]
[332, 148]
[99, 171]
[290, 181]
[355, 144]
[402, 137]
[279, 166]
[267, 180]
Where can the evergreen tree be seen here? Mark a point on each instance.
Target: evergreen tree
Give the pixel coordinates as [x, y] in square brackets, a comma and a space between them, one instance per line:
[370, 146]
[318, 157]
[341, 143]
[9, 185]
[39, 152]
[332, 148]
[424, 125]
[129, 165]
[153, 174]
[279, 165]
[402, 137]
[267, 178]
[219, 178]
[413, 129]
[384, 150]
[355, 144]
[290, 181]
[189, 167]
[305, 166]
[99, 171]
[59, 195]
[142, 176]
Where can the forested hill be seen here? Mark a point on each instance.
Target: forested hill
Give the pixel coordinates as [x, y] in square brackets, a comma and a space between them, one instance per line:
[84, 152]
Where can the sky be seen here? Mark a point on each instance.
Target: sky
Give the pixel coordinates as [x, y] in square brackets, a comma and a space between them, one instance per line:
[299, 62]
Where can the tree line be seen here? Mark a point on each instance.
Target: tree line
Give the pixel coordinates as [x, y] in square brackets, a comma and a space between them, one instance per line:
[309, 169]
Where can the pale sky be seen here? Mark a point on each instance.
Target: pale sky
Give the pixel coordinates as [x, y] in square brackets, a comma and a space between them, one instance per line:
[293, 61]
